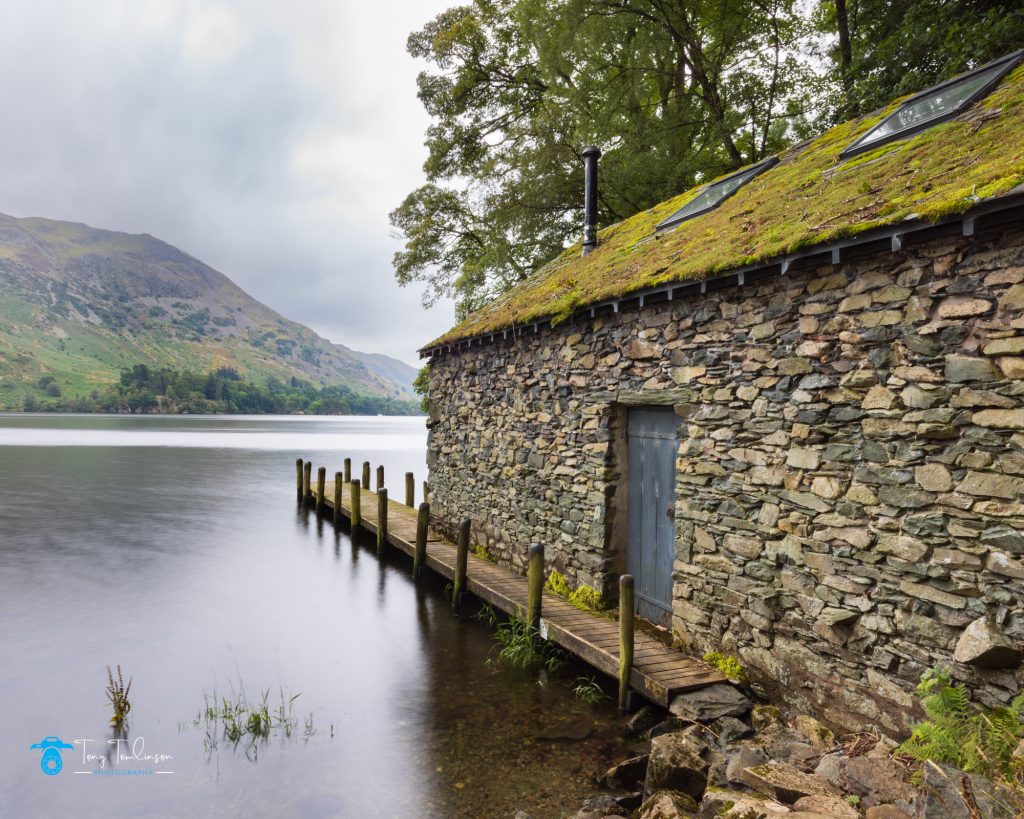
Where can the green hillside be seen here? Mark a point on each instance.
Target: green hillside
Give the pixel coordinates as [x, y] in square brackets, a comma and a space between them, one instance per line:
[81, 304]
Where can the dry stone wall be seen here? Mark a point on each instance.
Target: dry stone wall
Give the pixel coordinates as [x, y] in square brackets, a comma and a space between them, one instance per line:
[850, 469]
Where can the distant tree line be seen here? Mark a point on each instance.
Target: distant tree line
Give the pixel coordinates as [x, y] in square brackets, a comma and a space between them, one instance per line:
[144, 389]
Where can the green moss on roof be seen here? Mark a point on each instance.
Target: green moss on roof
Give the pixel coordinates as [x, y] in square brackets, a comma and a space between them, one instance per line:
[808, 198]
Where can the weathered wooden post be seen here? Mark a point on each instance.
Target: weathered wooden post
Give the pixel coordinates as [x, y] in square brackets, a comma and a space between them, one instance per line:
[365, 483]
[307, 475]
[382, 521]
[337, 498]
[348, 470]
[420, 555]
[461, 559]
[380, 478]
[426, 492]
[410, 490]
[625, 637]
[535, 585]
[321, 486]
[357, 516]
[298, 477]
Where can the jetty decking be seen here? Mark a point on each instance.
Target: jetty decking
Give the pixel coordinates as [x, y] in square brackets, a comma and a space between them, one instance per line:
[658, 672]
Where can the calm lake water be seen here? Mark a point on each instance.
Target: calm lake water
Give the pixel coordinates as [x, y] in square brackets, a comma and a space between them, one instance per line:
[173, 546]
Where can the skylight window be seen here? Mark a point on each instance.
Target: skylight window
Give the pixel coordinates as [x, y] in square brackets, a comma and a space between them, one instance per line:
[935, 105]
[716, 193]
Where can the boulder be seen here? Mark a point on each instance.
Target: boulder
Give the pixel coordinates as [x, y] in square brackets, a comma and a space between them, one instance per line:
[764, 715]
[835, 806]
[678, 762]
[739, 805]
[782, 742]
[708, 704]
[669, 726]
[727, 730]
[814, 732]
[878, 781]
[886, 812]
[626, 775]
[785, 783]
[667, 804]
[747, 756]
[984, 645]
[832, 768]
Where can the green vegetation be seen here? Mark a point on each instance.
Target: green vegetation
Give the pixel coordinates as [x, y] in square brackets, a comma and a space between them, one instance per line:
[675, 94]
[728, 665]
[117, 696]
[481, 551]
[974, 739]
[148, 390]
[520, 646]
[237, 719]
[589, 691]
[421, 386]
[582, 597]
[557, 584]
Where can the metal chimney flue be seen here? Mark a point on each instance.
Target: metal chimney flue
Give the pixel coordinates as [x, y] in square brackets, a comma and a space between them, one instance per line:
[590, 157]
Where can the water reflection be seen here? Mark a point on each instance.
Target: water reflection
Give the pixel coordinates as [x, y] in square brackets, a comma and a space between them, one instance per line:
[192, 567]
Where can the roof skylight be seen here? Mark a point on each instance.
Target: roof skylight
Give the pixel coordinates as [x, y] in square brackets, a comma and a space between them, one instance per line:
[713, 195]
[935, 105]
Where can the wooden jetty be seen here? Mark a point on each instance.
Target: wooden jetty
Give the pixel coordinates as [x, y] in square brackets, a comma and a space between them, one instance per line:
[655, 670]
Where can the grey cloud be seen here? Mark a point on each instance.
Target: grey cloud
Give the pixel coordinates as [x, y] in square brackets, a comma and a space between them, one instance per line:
[268, 139]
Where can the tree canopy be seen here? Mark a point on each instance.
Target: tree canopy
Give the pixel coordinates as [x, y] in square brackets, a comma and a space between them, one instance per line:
[674, 92]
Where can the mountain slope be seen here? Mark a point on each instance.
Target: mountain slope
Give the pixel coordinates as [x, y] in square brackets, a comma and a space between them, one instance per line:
[79, 304]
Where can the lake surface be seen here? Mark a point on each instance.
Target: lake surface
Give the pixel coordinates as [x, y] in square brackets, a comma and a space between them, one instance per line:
[174, 547]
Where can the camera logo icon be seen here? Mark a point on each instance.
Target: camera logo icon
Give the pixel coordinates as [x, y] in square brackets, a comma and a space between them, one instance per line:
[51, 763]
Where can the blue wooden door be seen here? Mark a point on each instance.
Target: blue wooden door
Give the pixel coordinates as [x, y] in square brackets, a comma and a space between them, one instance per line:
[650, 550]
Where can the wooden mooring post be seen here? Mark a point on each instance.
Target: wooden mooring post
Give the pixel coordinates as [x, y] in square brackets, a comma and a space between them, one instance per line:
[382, 522]
[410, 490]
[321, 486]
[337, 498]
[625, 637]
[298, 477]
[426, 492]
[356, 516]
[535, 585]
[420, 555]
[348, 470]
[365, 483]
[461, 562]
[307, 475]
[380, 478]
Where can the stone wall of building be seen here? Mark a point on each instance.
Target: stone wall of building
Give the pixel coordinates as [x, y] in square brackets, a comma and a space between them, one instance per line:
[850, 467]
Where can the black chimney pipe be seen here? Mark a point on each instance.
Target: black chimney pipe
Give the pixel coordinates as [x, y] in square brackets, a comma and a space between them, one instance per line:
[590, 157]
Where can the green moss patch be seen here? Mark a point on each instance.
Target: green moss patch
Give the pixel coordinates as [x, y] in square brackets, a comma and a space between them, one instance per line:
[808, 198]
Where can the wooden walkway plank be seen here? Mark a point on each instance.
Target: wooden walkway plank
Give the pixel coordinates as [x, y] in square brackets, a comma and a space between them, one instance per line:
[659, 672]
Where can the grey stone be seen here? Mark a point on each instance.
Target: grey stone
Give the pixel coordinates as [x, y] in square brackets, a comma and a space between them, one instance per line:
[667, 804]
[983, 644]
[678, 761]
[748, 756]
[960, 369]
[707, 704]
[784, 782]
[878, 781]
[832, 806]
[626, 775]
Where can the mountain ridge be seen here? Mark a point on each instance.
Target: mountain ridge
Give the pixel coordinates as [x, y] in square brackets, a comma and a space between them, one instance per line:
[80, 304]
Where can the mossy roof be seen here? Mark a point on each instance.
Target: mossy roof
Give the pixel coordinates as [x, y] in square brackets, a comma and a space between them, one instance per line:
[809, 198]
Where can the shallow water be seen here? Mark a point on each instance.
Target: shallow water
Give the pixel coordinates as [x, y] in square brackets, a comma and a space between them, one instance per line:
[173, 546]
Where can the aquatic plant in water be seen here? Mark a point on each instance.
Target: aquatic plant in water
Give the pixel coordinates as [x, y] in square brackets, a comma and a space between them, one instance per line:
[237, 719]
[589, 691]
[117, 696]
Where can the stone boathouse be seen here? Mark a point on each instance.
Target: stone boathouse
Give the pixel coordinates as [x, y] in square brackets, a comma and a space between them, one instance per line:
[790, 403]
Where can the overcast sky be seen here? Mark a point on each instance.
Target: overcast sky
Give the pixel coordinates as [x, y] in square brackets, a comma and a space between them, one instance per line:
[268, 138]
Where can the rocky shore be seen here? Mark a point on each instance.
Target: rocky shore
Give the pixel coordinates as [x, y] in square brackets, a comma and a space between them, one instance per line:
[716, 755]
